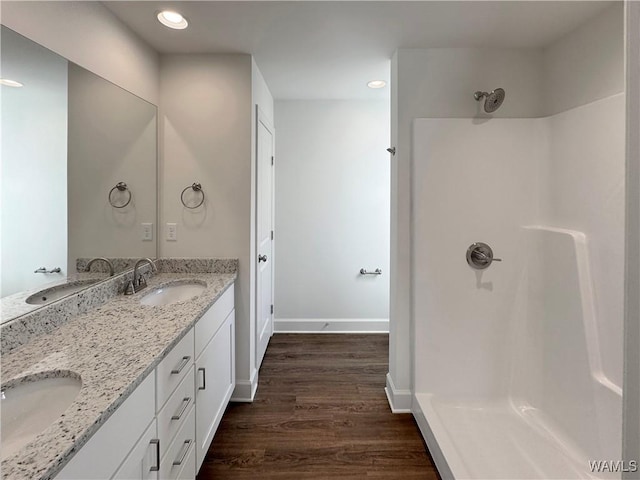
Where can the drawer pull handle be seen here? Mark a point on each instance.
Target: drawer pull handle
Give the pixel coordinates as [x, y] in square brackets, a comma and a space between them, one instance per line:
[204, 379]
[183, 363]
[185, 450]
[185, 404]
[156, 442]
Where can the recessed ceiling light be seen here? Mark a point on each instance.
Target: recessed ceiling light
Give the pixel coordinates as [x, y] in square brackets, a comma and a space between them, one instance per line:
[172, 19]
[10, 83]
[376, 84]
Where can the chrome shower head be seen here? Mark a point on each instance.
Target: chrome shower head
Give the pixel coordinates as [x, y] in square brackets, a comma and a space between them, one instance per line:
[492, 101]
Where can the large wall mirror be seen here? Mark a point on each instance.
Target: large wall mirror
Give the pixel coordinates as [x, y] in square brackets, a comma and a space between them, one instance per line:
[79, 171]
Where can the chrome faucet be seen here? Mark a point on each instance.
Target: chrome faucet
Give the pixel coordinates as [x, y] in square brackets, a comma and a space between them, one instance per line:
[106, 260]
[139, 282]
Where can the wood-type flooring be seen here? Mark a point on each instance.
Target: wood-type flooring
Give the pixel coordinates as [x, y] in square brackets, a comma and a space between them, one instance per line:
[320, 412]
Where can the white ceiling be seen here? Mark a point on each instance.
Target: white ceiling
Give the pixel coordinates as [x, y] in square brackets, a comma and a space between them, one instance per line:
[330, 49]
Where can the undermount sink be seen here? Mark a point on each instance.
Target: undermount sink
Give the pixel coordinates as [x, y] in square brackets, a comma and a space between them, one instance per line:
[32, 404]
[173, 293]
[52, 294]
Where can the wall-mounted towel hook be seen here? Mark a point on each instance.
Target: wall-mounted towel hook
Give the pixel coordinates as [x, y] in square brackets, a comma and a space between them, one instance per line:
[121, 187]
[196, 187]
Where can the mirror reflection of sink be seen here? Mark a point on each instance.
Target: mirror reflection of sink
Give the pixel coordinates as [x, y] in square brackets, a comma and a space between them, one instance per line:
[52, 294]
[31, 404]
[179, 291]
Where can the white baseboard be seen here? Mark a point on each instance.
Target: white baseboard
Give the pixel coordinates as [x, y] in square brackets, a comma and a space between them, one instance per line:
[331, 325]
[399, 400]
[245, 390]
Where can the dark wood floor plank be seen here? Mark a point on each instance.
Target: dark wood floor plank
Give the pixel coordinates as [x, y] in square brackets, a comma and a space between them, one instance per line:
[320, 413]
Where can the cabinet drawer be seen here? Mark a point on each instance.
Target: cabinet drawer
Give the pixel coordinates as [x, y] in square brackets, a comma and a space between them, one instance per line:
[188, 471]
[211, 321]
[175, 411]
[179, 450]
[143, 461]
[173, 368]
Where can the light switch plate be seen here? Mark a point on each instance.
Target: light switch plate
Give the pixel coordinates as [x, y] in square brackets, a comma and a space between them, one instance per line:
[147, 232]
[172, 232]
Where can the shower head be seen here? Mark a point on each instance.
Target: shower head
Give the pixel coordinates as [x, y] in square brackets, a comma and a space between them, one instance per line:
[492, 101]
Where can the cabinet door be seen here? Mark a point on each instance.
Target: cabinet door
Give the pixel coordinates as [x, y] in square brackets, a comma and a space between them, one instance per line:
[215, 381]
[101, 456]
[144, 460]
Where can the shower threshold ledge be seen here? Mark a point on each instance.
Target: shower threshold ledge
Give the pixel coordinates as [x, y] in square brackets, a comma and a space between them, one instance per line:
[496, 439]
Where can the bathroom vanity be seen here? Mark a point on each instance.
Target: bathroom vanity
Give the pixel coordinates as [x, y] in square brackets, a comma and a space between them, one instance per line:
[155, 381]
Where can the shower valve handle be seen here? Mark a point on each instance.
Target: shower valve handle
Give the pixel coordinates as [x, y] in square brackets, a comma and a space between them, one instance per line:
[484, 256]
[480, 256]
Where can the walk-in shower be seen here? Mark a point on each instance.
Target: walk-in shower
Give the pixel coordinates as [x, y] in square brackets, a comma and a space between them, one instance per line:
[518, 363]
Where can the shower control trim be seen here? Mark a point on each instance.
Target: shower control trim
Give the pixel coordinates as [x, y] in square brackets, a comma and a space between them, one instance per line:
[480, 256]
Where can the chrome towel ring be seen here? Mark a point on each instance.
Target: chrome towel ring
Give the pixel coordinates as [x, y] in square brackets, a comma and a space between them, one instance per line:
[121, 187]
[196, 187]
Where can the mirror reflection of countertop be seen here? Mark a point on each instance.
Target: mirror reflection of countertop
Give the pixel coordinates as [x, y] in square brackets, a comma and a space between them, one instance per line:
[13, 306]
[112, 348]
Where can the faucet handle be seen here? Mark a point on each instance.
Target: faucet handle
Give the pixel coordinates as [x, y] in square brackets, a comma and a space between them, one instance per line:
[130, 290]
[142, 282]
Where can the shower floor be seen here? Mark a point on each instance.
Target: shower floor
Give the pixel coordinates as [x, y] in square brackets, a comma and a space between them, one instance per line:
[497, 440]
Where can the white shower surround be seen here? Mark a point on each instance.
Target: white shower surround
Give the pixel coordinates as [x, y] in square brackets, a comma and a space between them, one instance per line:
[517, 368]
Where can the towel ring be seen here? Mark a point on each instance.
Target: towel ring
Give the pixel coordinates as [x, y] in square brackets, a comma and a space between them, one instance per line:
[122, 187]
[196, 187]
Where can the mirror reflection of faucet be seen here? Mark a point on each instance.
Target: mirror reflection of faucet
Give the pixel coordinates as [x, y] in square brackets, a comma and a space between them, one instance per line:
[101, 259]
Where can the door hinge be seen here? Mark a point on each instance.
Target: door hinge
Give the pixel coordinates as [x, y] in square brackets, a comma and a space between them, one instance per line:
[271, 234]
[272, 159]
[271, 309]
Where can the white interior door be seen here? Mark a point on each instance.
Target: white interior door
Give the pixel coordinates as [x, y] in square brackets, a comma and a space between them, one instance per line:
[264, 229]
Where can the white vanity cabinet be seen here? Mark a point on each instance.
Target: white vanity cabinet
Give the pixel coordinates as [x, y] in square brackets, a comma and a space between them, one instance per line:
[215, 369]
[165, 427]
[122, 437]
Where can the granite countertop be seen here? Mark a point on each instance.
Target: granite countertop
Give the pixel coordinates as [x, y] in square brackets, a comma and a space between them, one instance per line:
[113, 348]
[15, 305]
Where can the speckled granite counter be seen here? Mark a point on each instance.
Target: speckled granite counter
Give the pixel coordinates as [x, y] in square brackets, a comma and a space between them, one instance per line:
[15, 305]
[113, 348]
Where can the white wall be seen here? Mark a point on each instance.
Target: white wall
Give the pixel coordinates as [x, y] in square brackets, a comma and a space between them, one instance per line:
[441, 83]
[207, 137]
[332, 210]
[91, 36]
[34, 164]
[586, 64]
[112, 138]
